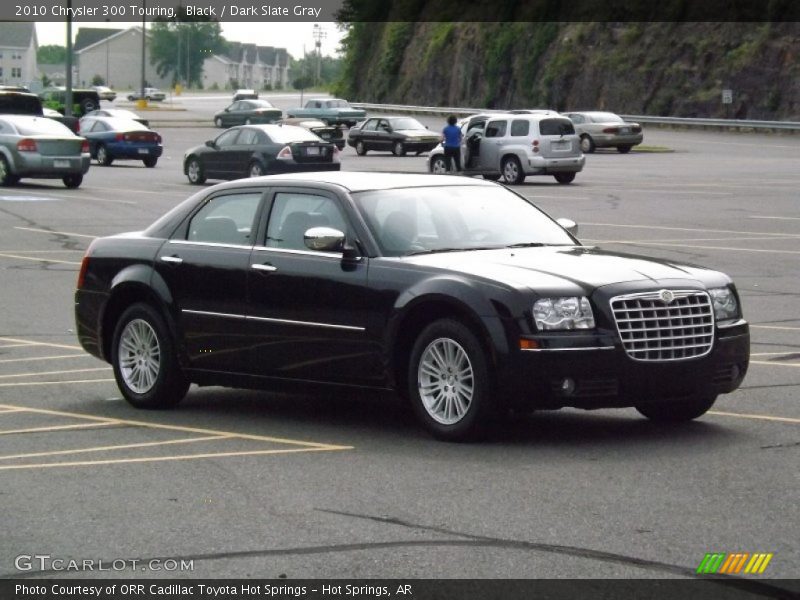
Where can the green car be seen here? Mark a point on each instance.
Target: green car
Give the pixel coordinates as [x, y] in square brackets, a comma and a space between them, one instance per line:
[247, 112]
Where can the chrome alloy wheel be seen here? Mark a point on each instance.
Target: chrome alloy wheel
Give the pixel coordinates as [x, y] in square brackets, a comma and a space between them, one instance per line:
[193, 171]
[446, 381]
[139, 356]
[511, 171]
[439, 166]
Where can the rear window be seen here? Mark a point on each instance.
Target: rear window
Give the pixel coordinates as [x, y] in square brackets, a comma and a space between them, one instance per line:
[560, 126]
[520, 128]
[289, 134]
[19, 104]
[43, 126]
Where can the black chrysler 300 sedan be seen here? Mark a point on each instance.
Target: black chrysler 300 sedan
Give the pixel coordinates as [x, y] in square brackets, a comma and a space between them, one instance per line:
[457, 293]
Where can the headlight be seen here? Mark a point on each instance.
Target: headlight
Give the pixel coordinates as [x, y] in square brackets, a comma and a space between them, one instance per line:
[563, 313]
[725, 305]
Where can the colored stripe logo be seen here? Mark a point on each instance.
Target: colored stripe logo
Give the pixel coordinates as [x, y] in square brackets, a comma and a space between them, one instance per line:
[734, 563]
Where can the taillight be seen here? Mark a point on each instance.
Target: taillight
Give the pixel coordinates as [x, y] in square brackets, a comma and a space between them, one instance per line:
[158, 139]
[611, 130]
[119, 137]
[637, 129]
[285, 153]
[85, 146]
[535, 145]
[26, 145]
[85, 265]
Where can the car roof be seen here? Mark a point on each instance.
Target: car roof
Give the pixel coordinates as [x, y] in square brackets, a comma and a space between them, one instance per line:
[360, 181]
[119, 122]
[33, 121]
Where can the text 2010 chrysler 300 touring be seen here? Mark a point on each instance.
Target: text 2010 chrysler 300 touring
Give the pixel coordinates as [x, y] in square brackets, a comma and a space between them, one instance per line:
[457, 293]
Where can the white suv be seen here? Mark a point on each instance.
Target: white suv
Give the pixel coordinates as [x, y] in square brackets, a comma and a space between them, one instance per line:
[514, 146]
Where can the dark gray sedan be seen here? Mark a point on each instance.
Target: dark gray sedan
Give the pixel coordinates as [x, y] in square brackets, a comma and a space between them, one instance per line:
[605, 130]
[247, 112]
[43, 148]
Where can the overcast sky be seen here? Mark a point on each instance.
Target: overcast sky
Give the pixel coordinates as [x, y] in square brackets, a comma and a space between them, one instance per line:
[291, 36]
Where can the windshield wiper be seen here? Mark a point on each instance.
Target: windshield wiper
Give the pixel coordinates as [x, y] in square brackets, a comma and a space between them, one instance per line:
[440, 250]
[526, 245]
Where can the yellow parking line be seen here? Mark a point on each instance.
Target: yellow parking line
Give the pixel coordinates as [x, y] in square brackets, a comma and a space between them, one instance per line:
[166, 458]
[32, 358]
[774, 364]
[48, 260]
[30, 383]
[13, 345]
[244, 436]
[57, 427]
[11, 410]
[120, 447]
[756, 417]
[34, 374]
[55, 232]
[35, 343]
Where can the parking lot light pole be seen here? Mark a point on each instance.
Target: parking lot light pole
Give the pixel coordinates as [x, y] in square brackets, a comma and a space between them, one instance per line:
[68, 82]
[142, 102]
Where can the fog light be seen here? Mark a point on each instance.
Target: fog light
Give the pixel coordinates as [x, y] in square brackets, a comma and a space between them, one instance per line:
[567, 386]
[735, 372]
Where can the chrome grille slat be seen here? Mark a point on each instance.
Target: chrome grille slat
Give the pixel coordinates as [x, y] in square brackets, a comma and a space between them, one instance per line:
[652, 330]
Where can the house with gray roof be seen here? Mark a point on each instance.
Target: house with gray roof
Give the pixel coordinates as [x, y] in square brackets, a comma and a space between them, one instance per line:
[18, 46]
[247, 66]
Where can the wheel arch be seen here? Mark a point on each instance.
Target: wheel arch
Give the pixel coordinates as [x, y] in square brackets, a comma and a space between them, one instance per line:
[138, 283]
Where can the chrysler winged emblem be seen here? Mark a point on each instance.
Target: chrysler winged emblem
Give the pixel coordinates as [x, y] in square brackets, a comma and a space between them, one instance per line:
[666, 296]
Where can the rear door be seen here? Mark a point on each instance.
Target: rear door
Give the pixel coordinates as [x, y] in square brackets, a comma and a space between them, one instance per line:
[205, 267]
[492, 144]
[369, 134]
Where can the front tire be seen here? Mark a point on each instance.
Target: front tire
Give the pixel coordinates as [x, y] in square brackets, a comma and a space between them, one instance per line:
[564, 177]
[218, 122]
[361, 149]
[439, 165]
[399, 149]
[256, 170]
[103, 157]
[587, 144]
[195, 172]
[624, 149]
[72, 181]
[143, 356]
[449, 381]
[512, 170]
[678, 410]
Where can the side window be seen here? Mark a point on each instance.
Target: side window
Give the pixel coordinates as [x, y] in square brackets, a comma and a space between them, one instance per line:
[295, 213]
[520, 127]
[384, 125]
[247, 137]
[226, 220]
[577, 118]
[227, 139]
[370, 125]
[235, 106]
[495, 129]
[98, 126]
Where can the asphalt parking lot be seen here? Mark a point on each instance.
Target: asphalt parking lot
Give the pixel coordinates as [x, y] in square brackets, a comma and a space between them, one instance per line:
[253, 484]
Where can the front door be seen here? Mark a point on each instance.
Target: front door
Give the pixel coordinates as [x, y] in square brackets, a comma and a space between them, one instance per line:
[308, 308]
[220, 161]
[492, 145]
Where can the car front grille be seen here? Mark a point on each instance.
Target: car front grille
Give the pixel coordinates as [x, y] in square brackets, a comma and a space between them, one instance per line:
[654, 328]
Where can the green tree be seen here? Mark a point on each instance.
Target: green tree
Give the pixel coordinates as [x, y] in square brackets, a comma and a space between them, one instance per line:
[98, 80]
[51, 54]
[179, 46]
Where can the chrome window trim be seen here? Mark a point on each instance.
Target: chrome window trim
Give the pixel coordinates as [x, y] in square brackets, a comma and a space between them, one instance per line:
[209, 244]
[301, 252]
[207, 313]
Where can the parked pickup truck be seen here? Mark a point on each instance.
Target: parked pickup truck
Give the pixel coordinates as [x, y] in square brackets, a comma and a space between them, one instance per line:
[332, 111]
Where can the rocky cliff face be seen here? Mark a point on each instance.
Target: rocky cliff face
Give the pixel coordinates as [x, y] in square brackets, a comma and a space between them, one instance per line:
[670, 69]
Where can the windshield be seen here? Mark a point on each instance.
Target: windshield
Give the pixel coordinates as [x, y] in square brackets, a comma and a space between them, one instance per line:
[446, 218]
[407, 123]
[606, 118]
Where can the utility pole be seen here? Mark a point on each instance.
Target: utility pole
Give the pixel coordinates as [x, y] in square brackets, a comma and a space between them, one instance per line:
[68, 95]
[319, 35]
[142, 101]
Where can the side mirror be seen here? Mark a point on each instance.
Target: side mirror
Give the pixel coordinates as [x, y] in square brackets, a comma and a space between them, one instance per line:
[570, 225]
[324, 239]
[211, 144]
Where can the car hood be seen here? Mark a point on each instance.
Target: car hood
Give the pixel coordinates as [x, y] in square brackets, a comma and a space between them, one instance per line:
[577, 268]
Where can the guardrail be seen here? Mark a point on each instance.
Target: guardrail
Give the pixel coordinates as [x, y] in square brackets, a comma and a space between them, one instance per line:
[669, 121]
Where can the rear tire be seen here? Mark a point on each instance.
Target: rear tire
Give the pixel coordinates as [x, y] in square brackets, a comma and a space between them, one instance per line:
[255, 170]
[399, 149]
[143, 356]
[361, 149]
[512, 170]
[103, 157]
[72, 181]
[6, 176]
[88, 106]
[449, 381]
[150, 162]
[678, 410]
[624, 149]
[564, 177]
[438, 165]
[195, 172]
[587, 144]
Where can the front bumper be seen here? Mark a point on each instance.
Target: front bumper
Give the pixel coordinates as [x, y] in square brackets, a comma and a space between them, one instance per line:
[593, 371]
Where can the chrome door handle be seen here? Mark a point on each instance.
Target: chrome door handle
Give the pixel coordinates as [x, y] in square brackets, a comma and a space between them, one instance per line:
[260, 267]
[176, 260]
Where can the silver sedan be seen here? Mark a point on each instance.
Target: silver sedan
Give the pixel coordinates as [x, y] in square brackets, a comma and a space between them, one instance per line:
[41, 147]
[605, 130]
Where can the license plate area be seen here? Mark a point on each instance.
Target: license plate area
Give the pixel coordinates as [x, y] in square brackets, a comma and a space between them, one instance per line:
[312, 151]
[61, 164]
[561, 145]
[143, 151]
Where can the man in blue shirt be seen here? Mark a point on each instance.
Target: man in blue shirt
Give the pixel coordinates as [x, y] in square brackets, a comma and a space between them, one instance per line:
[451, 136]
